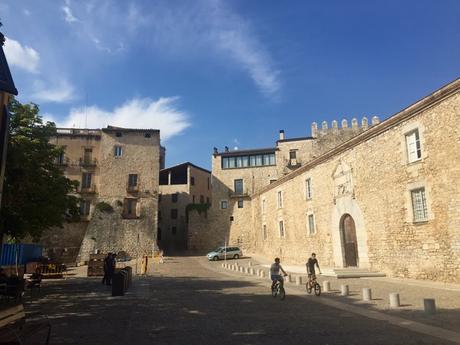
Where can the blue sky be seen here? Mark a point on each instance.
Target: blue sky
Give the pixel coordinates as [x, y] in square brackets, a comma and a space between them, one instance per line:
[227, 73]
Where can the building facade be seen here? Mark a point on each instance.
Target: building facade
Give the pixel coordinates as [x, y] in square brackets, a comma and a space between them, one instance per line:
[182, 187]
[380, 196]
[118, 174]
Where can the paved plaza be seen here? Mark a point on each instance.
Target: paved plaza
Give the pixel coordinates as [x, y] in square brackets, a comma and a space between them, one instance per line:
[191, 301]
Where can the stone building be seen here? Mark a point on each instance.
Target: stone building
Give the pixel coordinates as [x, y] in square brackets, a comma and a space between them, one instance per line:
[118, 174]
[378, 197]
[7, 90]
[181, 186]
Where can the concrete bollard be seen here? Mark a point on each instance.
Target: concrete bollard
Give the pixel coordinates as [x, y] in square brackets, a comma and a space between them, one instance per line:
[394, 300]
[223, 265]
[298, 280]
[367, 294]
[326, 286]
[262, 274]
[429, 305]
[344, 290]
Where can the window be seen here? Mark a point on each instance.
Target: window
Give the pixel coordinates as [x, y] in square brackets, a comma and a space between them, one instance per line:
[118, 151]
[292, 154]
[240, 202]
[223, 204]
[248, 161]
[129, 208]
[118, 134]
[281, 228]
[61, 158]
[85, 206]
[238, 184]
[201, 199]
[132, 180]
[192, 180]
[174, 213]
[174, 197]
[193, 199]
[88, 155]
[264, 232]
[207, 201]
[414, 151]
[272, 181]
[311, 224]
[147, 135]
[174, 230]
[209, 183]
[308, 188]
[86, 180]
[419, 207]
[280, 199]
[263, 206]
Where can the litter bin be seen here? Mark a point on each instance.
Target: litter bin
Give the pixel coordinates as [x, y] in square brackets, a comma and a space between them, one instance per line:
[129, 271]
[118, 284]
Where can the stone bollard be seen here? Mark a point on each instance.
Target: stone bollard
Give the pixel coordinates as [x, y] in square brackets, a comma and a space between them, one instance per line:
[223, 265]
[429, 305]
[326, 286]
[394, 300]
[262, 274]
[288, 278]
[344, 290]
[367, 294]
[249, 263]
[298, 280]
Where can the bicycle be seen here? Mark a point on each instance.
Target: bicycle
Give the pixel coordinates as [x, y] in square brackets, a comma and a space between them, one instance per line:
[278, 290]
[312, 284]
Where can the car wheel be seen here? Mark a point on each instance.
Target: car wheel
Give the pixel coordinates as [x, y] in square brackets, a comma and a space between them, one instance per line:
[236, 256]
[215, 258]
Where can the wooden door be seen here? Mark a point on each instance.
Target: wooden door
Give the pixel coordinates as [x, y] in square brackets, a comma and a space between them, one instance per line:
[350, 244]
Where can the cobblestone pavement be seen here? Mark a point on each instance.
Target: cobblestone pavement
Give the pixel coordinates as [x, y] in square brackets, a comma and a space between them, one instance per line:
[192, 301]
[411, 293]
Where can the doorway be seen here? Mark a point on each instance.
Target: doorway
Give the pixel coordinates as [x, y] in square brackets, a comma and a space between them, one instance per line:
[349, 241]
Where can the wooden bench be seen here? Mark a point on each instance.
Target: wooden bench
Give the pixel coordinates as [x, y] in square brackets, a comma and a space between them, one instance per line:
[15, 330]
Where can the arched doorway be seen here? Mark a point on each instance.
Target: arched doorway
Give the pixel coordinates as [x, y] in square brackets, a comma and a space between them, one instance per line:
[349, 241]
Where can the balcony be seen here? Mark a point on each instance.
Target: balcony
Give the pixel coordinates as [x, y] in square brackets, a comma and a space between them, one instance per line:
[239, 193]
[132, 189]
[293, 163]
[62, 161]
[88, 162]
[87, 190]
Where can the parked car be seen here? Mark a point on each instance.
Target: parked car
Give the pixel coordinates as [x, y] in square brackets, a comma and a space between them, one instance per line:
[222, 252]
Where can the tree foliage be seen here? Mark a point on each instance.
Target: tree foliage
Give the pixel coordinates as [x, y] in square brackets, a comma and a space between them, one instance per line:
[35, 191]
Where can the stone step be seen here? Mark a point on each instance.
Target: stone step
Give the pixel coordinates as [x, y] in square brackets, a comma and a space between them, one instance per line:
[352, 273]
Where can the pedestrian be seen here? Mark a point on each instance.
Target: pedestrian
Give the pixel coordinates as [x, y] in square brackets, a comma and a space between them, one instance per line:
[107, 261]
[161, 256]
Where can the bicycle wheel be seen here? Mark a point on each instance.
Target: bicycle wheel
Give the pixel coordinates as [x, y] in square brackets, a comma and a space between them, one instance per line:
[282, 293]
[274, 292]
[308, 287]
[317, 289]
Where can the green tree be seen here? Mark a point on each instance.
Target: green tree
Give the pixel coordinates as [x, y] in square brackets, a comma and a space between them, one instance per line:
[36, 192]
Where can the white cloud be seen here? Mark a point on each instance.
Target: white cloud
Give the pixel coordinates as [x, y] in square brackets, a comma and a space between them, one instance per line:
[23, 57]
[26, 12]
[69, 17]
[162, 114]
[60, 93]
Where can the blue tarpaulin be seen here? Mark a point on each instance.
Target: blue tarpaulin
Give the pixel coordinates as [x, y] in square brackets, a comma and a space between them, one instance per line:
[25, 253]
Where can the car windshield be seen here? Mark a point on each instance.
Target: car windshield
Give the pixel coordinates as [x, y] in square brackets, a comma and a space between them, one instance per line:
[219, 249]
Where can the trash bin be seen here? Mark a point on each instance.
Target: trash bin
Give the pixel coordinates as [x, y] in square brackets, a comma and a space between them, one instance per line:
[129, 271]
[118, 284]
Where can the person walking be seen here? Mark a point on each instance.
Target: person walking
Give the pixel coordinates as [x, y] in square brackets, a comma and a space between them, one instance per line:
[107, 261]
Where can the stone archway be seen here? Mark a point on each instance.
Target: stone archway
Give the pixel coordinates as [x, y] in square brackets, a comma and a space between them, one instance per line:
[349, 241]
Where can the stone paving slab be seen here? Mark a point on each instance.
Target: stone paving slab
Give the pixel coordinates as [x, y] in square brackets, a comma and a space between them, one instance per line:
[411, 295]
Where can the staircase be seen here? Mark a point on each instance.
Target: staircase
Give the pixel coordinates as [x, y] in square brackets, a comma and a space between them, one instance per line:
[351, 272]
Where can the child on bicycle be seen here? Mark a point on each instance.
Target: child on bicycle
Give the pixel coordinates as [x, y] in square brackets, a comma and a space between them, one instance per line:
[312, 261]
[275, 269]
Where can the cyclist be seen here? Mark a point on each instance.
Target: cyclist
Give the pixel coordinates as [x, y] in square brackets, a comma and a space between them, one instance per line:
[312, 261]
[275, 272]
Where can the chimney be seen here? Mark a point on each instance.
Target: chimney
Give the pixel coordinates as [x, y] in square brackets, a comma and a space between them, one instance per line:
[314, 130]
[282, 136]
[226, 148]
[215, 151]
